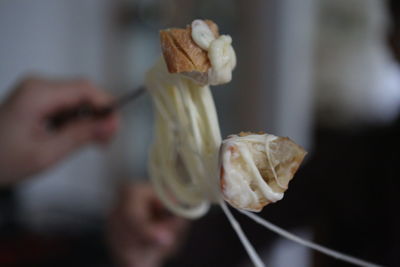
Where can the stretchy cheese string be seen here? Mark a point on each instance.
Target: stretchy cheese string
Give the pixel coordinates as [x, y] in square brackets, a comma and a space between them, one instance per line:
[306, 243]
[183, 161]
[247, 245]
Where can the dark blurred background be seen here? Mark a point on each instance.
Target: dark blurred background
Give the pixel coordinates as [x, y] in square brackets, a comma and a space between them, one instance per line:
[323, 72]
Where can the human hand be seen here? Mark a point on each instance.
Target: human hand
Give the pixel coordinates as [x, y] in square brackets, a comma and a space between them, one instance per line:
[141, 231]
[27, 145]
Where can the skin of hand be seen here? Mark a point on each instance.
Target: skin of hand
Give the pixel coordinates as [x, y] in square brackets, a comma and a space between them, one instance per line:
[141, 231]
[27, 146]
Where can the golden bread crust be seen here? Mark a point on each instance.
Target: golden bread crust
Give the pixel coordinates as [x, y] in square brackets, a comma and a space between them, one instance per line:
[181, 53]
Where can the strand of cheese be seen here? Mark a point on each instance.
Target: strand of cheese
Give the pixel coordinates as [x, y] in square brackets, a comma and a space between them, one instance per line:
[257, 262]
[306, 243]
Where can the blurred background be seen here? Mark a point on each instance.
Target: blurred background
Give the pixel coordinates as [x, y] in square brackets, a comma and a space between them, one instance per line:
[323, 72]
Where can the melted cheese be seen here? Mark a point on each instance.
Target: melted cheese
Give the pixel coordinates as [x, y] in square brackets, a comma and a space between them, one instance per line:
[243, 183]
[220, 52]
[183, 160]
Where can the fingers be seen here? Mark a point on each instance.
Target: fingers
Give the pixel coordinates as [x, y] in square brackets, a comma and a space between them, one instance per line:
[165, 232]
[82, 91]
[152, 222]
[86, 90]
[82, 132]
[54, 95]
[75, 93]
[141, 231]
